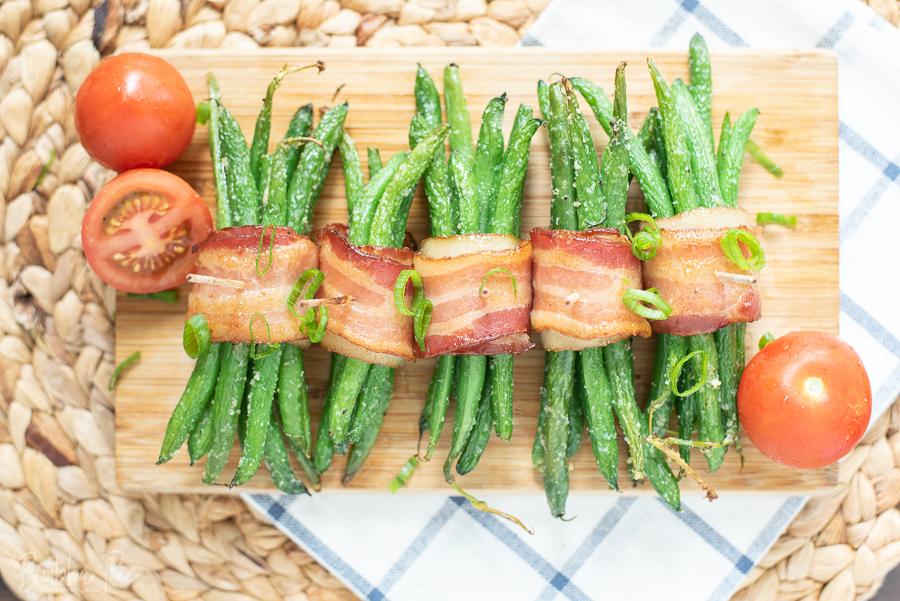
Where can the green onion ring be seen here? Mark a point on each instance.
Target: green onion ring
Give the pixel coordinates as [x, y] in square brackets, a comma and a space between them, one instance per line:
[421, 320]
[203, 111]
[676, 372]
[196, 336]
[646, 242]
[265, 321]
[633, 297]
[122, 366]
[730, 244]
[492, 272]
[765, 340]
[271, 248]
[400, 291]
[316, 335]
[404, 475]
[776, 218]
[315, 279]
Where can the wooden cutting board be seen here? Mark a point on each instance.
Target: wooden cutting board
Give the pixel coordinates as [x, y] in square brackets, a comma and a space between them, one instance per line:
[796, 93]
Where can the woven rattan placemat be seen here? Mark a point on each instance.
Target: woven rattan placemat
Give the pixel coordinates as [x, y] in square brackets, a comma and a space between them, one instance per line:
[59, 504]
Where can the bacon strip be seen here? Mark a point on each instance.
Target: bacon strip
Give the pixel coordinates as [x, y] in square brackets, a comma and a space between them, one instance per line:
[465, 322]
[684, 267]
[579, 281]
[231, 253]
[369, 328]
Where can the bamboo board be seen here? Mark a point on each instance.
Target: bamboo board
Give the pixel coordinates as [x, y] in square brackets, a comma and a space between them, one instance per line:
[796, 93]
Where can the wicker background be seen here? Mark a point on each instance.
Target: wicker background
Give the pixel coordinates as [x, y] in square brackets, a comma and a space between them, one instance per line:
[59, 505]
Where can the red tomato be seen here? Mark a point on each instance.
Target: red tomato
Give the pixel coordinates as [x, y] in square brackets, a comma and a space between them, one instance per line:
[805, 399]
[134, 110]
[139, 230]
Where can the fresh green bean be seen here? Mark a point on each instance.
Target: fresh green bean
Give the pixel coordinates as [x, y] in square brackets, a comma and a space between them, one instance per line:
[596, 396]
[224, 211]
[515, 164]
[701, 85]
[428, 101]
[538, 450]
[678, 159]
[489, 158]
[543, 94]
[441, 206]
[708, 398]
[740, 358]
[324, 442]
[439, 398]
[299, 127]
[458, 114]
[379, 384]
[262, 393]
[373, 156]
[651, 180]
[472, 371]
[349, 384]
[576, 413]
[725, 350]
[502, 395]
[703, 160]
[648, 127]
[306, 462]
[359, 452]
[310, 173]
[724, 137]
[760, 157]
[480, 434]
[242, 193]
[615, 358]
[354, 185]
[226, 407]
[278, 464]
[274, 191]
[591, 197]
[733, 156]
[659, 144]
[563, 212]
[193, 403]
[615, 159]
[462, 183]
[201, 436]
[686, 411]
[293, 398]
[555, 435]
[660, 475]
[670, 349]
[361, 218]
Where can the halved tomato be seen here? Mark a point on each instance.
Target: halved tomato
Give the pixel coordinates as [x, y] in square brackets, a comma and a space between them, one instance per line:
[139, 230]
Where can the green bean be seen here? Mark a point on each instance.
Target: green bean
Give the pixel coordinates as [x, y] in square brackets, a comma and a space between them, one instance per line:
[507, 209]
[201, 436]
[224, 211]
[373, 156]
[703, 160]
[441, 206]
[576, 413]
[193, 403]
[489, 158]
[708, 398]
[324, 442]
[462, 183]
[615, 159]
[458, 114]
[359, 452]
[596, 396]
[678, 160]
[354, 185]
[522, 126]
[733, 156]
[275, 192]
[428, 101]
[293, 398]
[361, 218]
[725, 349]
[563, 212]
[379, 385]
[670, 349]
[648, 128]
[262, 393]
[701, 85]
[471, 384]
[306, 463]
[543, 94]
[591, 197]
[660, 475]
[555, 435]
[299, 127]
[652, 181]
[439, 398]
[226, 407]
[724, 137]
[538, 449]
[310, 173]
[402, 184]
[686, 410]
[278, 464]
[502, 396]
[740, 359]
[242, 194]
[480, 434]
[760, 157]
[349, 383]
[615, 358]
[659, 144]
[398, 236]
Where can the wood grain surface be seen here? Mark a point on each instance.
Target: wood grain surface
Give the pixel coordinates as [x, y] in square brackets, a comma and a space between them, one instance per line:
[796, 93]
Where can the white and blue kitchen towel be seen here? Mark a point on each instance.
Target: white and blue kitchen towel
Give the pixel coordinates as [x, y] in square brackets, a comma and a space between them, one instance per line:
[415, 547]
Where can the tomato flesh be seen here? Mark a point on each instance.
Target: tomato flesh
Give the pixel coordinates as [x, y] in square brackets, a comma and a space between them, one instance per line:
[805, 399]
[139, 230]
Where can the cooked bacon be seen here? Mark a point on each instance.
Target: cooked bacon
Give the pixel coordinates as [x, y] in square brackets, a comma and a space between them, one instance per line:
[231, 253]
[684, 273]
[579, 281]
[465, 322]
[370, 328]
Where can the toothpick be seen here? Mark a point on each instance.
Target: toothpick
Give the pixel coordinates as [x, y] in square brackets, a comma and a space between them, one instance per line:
[208, 279]
[318, 302]
[572, 299]
[736, 278]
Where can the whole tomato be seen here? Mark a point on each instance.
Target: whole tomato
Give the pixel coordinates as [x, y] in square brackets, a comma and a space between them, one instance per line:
[805, 399]
[134, 110]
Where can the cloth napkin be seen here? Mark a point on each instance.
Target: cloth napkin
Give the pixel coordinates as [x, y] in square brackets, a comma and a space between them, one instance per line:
[414, 547]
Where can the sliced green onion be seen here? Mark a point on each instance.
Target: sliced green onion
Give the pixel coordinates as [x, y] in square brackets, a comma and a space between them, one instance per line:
[316, 335]
[765, 340]
[270, 348]
[271, 248]
[405, 473]
[196, 336]
[122, 366]
[315, 279]
[776, 218]
[400, 291]
[730, 244]
[507, 272]
[268, 329]
[166, 296]
[421, 320]
[46, 169]
[646, 242]
[761, 158]
[676, 372]
[203, 111]
[633, 298]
